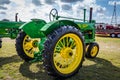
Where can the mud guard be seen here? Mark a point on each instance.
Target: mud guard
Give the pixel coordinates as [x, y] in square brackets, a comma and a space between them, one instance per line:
[33, 27]
[38, 28]
[51, 26]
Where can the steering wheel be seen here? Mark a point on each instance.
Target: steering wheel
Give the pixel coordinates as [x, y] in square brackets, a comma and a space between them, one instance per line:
[53, 14]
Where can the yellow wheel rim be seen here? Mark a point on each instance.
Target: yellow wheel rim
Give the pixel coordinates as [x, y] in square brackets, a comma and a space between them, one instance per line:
[94, 51]
[87, 48]
[30, 46]
[68, 53]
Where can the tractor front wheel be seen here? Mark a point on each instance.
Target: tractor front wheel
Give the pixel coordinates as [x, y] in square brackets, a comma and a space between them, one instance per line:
[92, 50]
[26, 47]
[64, 52]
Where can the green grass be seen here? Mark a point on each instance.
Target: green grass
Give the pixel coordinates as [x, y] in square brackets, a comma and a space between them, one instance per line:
[105, 67]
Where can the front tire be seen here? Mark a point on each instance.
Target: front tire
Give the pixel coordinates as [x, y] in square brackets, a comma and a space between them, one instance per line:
[64, 52]
[25, 46]
[92, 50]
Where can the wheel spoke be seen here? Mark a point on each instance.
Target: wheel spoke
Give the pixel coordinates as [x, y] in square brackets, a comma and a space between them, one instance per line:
[58, 48]
[67, 41]
[63, 40]
[62, 44]
[73, 44]
[30, 50]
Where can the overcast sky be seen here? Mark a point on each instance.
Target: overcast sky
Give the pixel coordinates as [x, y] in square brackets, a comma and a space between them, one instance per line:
[28, 9]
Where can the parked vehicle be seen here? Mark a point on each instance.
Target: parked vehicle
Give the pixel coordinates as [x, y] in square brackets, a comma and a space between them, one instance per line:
[108, 30]
[61, 44]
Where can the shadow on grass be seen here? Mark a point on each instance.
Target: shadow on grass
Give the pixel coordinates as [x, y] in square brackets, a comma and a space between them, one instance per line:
[40, 75]
[6, 60]
[101, 70]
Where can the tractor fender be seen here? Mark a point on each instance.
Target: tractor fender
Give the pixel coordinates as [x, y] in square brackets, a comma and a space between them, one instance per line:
[32, 28]
[51, 26]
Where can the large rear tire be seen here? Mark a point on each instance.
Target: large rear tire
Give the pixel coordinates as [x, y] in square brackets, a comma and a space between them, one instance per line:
[25, 46]
[64, 52]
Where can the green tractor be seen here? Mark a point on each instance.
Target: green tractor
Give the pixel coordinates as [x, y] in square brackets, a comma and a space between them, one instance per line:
[11, 29]
[61, 44]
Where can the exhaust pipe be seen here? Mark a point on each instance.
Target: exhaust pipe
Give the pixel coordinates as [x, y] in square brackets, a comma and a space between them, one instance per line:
[90, 17]
[84, 15]
[16, 17]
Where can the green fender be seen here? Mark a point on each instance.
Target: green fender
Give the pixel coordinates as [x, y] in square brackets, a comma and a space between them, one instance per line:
[33, 27]
[51, 26]
[38, 28]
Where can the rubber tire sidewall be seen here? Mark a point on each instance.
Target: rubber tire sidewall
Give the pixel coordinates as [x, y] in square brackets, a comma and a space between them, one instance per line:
[58, 34]
[19, 47]
[90, 47]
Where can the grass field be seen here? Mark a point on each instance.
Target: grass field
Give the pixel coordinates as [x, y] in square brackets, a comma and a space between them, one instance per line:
[105, 67]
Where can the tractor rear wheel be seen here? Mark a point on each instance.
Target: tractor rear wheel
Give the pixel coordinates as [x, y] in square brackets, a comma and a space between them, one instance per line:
[25, 46]
[92, 50]
[64, 52]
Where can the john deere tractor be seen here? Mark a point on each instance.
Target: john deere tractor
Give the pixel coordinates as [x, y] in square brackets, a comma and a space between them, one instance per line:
[62, 44]
[11, 29]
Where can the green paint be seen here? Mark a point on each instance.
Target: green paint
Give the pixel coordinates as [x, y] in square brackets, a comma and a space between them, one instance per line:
[9, 29]
[33, 27]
